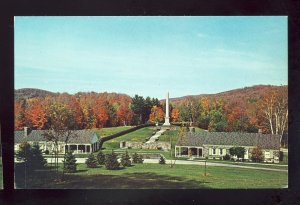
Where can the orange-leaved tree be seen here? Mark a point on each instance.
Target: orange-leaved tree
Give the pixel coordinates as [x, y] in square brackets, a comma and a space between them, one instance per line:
[157, 114]
[36, 113]
[175, 115]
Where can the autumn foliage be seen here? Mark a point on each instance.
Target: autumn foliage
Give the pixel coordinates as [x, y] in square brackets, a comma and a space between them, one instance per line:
[241, 110]
[157, 114]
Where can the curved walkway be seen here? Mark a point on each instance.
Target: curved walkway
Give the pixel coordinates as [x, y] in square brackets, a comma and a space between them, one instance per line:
[156, 136]
[214, 164]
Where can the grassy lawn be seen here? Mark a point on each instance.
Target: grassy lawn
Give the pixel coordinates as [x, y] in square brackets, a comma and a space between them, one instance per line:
[110, 130]
[138, 135]
[152, 176]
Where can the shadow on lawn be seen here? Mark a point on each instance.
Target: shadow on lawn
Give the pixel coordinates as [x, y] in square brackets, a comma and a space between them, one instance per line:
[128, 181]
[46, 179]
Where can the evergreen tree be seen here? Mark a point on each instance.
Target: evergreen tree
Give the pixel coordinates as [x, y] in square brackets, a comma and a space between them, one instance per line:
[162, 160]
[137, 159]
[31, 156]
[69, 163]
[91, 161]
[38, 161]
[140, 159]
[101, 158]
[125, 160]
[111, 161]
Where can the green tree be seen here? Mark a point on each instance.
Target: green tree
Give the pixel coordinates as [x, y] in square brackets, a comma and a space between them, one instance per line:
[69, 163]
[125, 160]
[137, 159]
[218, 122]
[38, 160]
[137, 105]
[31, 156]
[91, 161]
[185, 113]
[111, 161]
[237, 151]
[101, 158]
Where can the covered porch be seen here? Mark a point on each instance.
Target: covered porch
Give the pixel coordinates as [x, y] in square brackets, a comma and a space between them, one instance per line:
[188, 151]
[82, 148]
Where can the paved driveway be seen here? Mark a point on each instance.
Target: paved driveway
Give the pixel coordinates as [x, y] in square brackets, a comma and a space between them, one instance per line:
[154, 161]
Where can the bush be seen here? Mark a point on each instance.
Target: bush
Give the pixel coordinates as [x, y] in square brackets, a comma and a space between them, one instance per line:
[226, 157]
[111, 161]
[257, 155]
[91, 161]
[101, 158]
[238, 151]
[162, 160]
[125, 160]
[69, 163]
[31, 156]
[137, 159]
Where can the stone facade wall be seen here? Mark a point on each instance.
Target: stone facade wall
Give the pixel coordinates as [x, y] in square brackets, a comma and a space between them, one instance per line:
[142, 145]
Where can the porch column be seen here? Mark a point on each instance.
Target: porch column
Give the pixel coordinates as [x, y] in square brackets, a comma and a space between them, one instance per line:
[77, 148]
[69, 148]
[90, 148]
[197, 152]
[175, 151]
[179, 151]
[84, 148]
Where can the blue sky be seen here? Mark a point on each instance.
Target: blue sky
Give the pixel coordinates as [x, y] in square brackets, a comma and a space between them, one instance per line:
[150, 55]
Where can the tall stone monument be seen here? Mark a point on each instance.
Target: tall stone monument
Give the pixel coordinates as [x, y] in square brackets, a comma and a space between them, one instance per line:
[167, 117]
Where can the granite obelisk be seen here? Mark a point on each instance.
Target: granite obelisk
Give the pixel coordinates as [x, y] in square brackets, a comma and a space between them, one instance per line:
[167, 117]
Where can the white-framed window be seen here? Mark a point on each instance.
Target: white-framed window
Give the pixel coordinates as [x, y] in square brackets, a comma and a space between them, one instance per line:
[267, 154]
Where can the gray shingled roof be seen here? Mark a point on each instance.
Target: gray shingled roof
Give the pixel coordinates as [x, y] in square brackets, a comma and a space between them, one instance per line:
[265, 141]
[79, 136]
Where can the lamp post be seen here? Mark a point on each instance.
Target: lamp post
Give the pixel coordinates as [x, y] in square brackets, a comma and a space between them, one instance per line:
[205, 168]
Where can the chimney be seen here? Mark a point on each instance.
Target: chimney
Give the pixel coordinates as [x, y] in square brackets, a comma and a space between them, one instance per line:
[260, 131]
[26, 131]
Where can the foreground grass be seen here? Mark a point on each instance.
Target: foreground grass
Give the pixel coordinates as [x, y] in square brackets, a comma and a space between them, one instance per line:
[152, 176]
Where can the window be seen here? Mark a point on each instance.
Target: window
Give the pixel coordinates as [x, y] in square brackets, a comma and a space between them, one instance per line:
[221, 151]
[214, 151]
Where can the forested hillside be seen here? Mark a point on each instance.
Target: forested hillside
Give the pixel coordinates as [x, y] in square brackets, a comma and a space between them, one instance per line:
[247, 109]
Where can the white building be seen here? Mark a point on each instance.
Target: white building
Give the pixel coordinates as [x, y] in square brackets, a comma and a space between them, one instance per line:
[80, 141]
[217, 144]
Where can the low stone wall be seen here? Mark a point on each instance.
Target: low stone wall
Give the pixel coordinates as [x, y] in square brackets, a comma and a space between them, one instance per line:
[142, 145]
